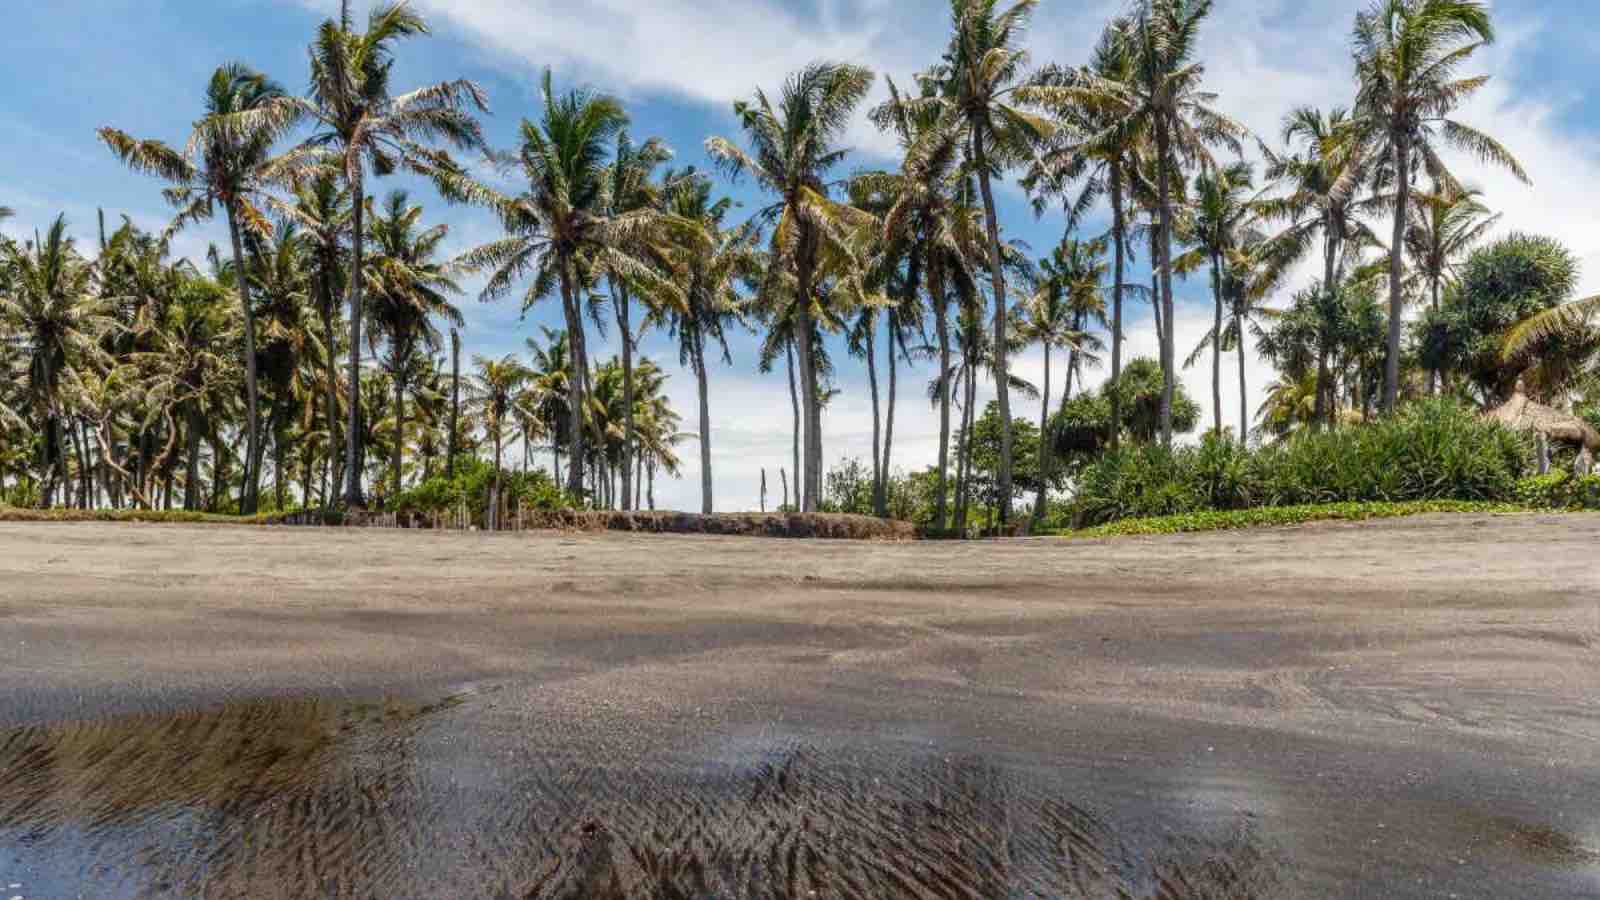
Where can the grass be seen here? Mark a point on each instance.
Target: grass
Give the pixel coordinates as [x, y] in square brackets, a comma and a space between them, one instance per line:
[1280, 516]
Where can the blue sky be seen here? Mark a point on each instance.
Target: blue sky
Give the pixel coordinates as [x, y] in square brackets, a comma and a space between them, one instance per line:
[70, 66]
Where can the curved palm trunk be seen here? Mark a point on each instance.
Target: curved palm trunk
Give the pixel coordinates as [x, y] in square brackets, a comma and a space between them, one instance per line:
[1391, 365]
[625, 326]
[707, 505]
[1001, 367]
[352, 444]
[1169, 375]
[247, 502]
[1118, 239]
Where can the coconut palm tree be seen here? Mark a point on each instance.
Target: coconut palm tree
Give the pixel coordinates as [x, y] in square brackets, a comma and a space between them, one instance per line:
[407, 290]
[559, 233]
[628, 188]
[1096, 146]
[1069, 298]
[362, 125]
[793, 146]
[1220, 218]
[984, 84]
[492, 391]
[226, 162]
[1408, 55]
[57, 321]
[552, 372]
[1448, 223]
[708, 262]
[1164, 97]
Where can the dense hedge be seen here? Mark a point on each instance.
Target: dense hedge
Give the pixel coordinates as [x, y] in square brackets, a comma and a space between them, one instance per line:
[1433, 450]
[1280, 516]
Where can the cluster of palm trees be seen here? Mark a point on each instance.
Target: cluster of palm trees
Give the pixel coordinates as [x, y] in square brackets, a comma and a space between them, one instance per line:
[133, 354]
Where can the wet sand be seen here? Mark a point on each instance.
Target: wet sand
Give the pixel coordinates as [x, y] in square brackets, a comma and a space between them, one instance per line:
[1396, 709]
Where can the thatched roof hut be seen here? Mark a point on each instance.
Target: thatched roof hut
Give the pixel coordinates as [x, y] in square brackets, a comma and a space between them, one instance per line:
[1524, 414]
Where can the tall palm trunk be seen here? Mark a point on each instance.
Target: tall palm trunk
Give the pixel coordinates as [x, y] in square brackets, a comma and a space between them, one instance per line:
[1044, 438]
[1391, 365]
[1244, 401]
[794, 401]
[706, 504]
[812, 495]
[877, 416]
[1118, 240]
[352, 443]
[455, 402]
[942, 330]
[191, 465]
[575, 382]
[888, 422]
[1320, 413]
[1217, 276]
[624, 325]
[1169, 374]
[1433, 291]
[332, 392]
[399, 430]
[997, 278]
[247, 502]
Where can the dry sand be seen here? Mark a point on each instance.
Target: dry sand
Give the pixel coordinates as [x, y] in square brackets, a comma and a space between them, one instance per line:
[1399, 709]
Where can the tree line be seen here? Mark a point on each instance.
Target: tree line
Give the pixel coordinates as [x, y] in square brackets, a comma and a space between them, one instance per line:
[327, 330]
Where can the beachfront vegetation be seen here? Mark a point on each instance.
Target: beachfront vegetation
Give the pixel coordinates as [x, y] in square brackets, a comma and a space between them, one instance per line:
[242, 382]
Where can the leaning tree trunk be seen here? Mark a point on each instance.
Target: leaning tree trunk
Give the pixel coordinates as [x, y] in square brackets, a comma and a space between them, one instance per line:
[247, 501]
[1001, 311]
[1118, 239]
[1391, 365]
[707, 505]
[352, 452]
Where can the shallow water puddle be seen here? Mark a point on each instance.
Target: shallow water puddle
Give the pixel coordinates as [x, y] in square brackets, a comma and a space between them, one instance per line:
[321, 798]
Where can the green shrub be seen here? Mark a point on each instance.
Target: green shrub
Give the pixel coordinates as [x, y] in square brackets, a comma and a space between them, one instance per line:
[1279, 516]
[1433, 450]
[1560, 490]
[471, 487]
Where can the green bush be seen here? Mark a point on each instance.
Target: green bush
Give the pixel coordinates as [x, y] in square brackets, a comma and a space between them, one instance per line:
[471, 487]
[1433, 450]
[1560, 490]
[1279, 516]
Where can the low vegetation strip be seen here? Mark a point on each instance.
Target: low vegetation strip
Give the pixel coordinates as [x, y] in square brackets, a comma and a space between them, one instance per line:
[1280, 516]
[776, 525]
[157, 516]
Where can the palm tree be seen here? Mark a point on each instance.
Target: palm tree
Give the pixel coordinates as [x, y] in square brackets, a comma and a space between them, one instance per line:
[1219, 219]
[1097, 146]
[362, 125]
[982, 83]
[226, 162]
[1449, 222]
[407, 291]
[1068, 298]
[552, 372]
[707, 262]
[560, 234]
[628, 188]
[58, 321]
[493, 388]
[792, 148]
[1408, 53]
[1164, 97]
[322, 210]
